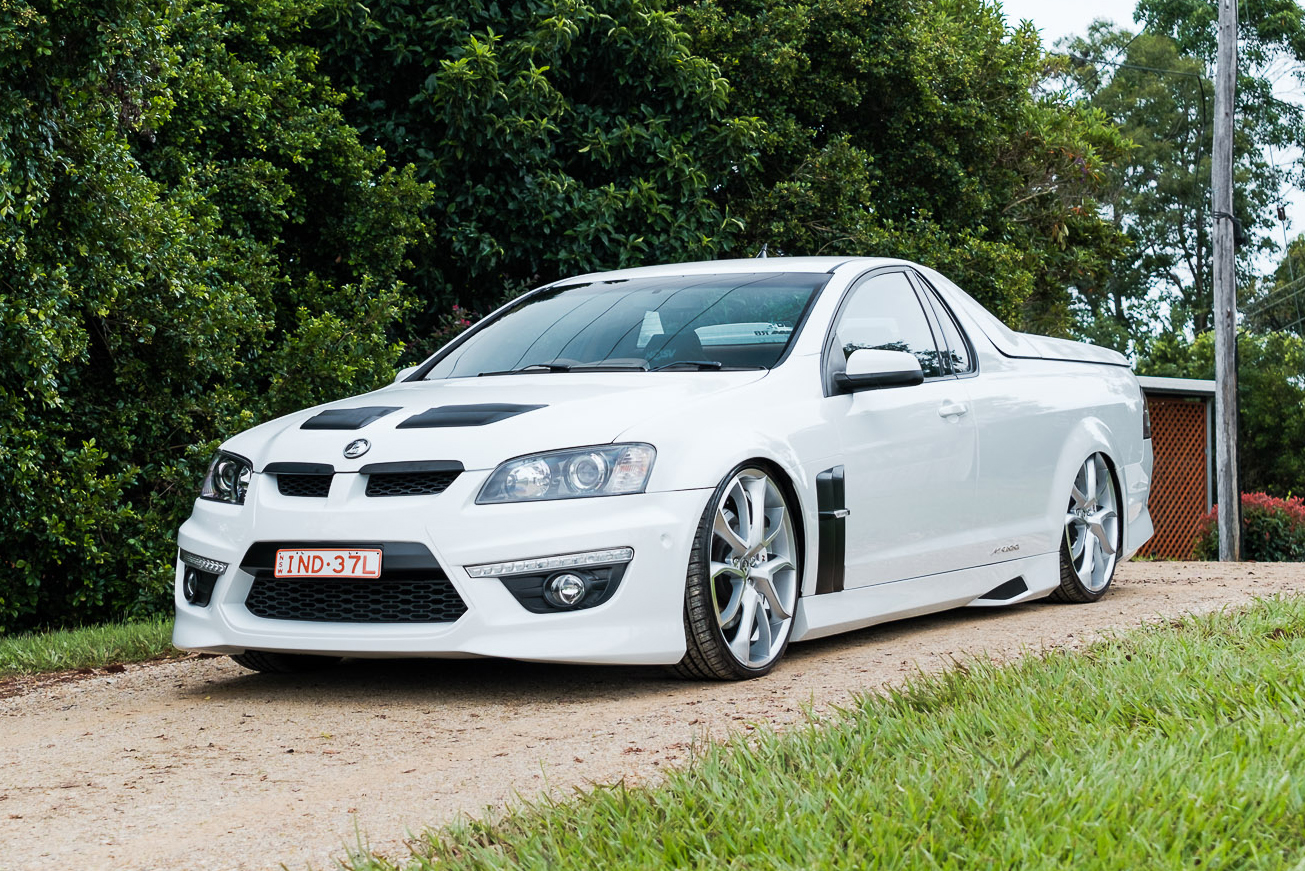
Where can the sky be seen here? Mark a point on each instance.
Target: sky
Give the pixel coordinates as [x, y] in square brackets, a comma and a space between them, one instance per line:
[1057, 18]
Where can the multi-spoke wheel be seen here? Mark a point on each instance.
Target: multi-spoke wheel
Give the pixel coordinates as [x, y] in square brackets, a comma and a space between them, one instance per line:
[1090, 548]
[743, 580]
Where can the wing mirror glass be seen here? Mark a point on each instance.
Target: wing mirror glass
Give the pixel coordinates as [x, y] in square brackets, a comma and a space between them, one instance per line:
[872, 369]
[404, 373]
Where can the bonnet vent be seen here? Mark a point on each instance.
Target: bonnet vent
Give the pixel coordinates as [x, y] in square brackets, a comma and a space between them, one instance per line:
[348, 418]
[465, 415]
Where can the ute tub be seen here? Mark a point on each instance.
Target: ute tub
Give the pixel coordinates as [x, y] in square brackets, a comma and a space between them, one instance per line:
[1020, 345]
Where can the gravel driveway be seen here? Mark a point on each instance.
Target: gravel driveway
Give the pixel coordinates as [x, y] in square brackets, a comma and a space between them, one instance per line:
[199, 764]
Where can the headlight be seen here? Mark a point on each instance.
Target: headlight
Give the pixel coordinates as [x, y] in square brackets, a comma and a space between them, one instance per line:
[227, 479]
[610, 470]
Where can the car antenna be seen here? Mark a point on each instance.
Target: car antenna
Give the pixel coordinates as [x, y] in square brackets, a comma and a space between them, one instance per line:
[765, 246]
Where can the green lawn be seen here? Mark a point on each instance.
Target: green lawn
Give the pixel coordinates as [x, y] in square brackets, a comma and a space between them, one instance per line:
[91, 647]
[1176, 747]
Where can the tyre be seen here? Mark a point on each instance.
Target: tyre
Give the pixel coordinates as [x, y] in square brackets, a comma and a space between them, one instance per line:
[1089, 550]
[282, 663]
[743, 580]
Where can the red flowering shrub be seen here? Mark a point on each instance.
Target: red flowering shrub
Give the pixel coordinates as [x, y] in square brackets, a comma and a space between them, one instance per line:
[1273, 530]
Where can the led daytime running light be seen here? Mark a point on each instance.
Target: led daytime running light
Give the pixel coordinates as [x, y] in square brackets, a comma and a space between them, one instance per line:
[544, 564]
[203, 563]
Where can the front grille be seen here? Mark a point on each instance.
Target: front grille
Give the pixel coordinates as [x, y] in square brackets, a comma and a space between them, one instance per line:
[355, 601]
[317, 486]
[412, 587]
[409, 483]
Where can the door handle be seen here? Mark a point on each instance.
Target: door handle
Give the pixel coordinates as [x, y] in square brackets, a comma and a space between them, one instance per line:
[952, 409]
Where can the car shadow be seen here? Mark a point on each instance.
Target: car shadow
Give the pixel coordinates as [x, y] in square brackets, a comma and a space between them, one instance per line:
[482, 681]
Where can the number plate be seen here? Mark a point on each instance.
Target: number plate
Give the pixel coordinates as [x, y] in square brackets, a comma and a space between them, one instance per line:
[328, 564]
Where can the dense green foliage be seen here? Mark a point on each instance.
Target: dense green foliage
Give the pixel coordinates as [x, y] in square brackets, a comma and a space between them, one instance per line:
[1174, 747]
[191, 239]
[211, 214]
[1273, 530]
[1157, 84]
[1277, 303]
[913, 128]
[1270, 395]
[559, 136]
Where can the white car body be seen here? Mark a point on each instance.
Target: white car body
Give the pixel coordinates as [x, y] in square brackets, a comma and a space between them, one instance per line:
[955, 488]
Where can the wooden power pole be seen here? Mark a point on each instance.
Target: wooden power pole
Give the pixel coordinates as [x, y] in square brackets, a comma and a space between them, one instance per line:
[1225, 290]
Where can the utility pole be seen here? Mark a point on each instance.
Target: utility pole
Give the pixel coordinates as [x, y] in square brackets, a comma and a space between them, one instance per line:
[1225, 291]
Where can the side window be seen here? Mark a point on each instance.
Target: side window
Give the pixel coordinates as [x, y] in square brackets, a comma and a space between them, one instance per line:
[885, 313]
[957, 356]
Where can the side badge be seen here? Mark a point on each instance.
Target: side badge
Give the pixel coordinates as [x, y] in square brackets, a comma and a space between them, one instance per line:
[357, 448]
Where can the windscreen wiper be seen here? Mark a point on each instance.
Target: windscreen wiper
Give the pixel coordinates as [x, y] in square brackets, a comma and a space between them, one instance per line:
[598, 366]
[531, 369]
[699, 365]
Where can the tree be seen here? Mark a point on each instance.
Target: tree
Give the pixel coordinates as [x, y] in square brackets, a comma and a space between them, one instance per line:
[1156, 84]
[558, 136]
[1277, 304]
[1270, 396]
[191, 240]
[913, 128]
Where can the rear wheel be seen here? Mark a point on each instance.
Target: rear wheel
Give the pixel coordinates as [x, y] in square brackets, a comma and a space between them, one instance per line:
[743, 580]
[282, 663]
[1089, 550]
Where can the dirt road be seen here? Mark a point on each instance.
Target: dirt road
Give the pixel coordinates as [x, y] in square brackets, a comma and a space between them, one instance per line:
[199, 764]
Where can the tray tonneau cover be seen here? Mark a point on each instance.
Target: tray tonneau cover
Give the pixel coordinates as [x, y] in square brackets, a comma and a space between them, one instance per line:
[1014, 344]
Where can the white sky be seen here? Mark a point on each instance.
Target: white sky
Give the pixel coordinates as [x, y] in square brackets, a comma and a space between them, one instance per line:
[1057, 18]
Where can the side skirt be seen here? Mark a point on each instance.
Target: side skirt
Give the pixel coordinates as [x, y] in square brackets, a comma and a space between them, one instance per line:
[818, 616]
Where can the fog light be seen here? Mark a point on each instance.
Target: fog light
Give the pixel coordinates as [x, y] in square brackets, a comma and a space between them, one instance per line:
[190, 584]
[199, 576]
[566, 590]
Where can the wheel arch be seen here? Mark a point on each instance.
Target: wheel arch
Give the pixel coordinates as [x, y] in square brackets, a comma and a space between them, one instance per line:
[792, 492]
[1090, 436]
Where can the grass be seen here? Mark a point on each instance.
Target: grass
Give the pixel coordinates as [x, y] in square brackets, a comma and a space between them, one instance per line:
[1172, 747]
[91, 647]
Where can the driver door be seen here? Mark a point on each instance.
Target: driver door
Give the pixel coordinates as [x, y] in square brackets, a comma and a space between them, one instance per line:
[910, 453]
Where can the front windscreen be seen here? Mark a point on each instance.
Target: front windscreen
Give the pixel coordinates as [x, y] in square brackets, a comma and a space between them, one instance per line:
[685, 322]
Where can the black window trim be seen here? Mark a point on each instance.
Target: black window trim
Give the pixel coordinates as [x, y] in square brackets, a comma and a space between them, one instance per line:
[831, 364]
[940, 309]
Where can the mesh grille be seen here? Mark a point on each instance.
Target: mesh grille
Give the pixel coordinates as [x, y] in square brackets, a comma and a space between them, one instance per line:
[363, 601]
[1178, 498]
[304, 485]
[409, 483]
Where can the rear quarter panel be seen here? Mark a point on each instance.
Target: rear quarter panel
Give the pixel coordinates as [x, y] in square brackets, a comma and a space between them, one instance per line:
[1038, 421]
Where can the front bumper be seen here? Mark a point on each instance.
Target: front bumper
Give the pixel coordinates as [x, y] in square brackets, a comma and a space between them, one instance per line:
[641, 624]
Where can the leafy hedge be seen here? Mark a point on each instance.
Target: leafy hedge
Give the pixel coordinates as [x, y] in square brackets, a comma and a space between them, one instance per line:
[212, 213]
[191, 240]
[1273, 530]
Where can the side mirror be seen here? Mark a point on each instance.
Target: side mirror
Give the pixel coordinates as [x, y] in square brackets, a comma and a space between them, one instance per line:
[871, 369]
[404, 373]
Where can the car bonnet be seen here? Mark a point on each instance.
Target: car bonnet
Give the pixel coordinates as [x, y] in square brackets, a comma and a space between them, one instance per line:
[478, 422]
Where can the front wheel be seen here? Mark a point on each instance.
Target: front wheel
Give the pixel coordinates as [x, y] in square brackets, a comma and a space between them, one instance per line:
[743, 580]
[1089, 550]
